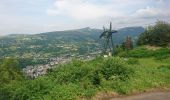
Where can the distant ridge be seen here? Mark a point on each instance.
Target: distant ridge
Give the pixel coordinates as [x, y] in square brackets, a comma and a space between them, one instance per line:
[94, 33]
[56, 43]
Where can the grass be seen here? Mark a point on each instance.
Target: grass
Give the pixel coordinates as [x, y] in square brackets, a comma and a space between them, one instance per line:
[149, 74]
[80, 79]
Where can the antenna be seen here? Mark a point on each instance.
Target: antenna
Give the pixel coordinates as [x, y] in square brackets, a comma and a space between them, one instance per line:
[110, 26]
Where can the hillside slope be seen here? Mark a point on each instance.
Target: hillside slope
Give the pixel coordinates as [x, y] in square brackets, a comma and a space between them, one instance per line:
[60, 42]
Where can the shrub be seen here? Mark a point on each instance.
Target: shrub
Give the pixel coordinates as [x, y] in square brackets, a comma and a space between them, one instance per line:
[95, 78]
[115, 68]
[118, 50]
[72, 72]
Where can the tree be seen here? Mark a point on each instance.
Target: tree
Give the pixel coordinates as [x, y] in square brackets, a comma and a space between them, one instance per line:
[9, 70]
[128, 43]
[10, 78]
[158, 35]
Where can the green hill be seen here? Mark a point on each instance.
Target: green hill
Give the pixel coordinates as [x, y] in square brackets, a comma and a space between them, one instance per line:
[60, 42]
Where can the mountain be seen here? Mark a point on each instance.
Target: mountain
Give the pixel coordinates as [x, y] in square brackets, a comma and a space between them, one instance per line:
[52, 44]
[133, 32]
[88, 33]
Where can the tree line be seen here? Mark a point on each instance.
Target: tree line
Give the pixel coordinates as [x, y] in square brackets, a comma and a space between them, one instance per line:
[157, 35]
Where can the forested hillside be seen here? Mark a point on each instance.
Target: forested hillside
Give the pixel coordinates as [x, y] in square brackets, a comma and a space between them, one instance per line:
[39, 48]
[60, 42]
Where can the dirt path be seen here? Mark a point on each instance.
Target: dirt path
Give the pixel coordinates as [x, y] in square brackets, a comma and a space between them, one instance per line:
[146, 96]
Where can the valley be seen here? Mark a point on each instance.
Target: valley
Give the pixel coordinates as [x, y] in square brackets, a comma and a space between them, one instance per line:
[41, 48]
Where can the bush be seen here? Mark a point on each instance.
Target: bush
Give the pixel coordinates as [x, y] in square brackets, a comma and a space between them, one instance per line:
[118, 50]
[96, 78]
[115, 68]
[69, 81]
[75, 71]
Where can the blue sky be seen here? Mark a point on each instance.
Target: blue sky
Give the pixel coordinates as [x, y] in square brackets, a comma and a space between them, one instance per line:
[35, 16]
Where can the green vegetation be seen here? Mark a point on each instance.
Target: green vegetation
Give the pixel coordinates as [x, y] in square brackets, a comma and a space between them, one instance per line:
[143, 52]
[79, 79]
[39, 48]
[158, 35]
[130, 71]
[9, 71]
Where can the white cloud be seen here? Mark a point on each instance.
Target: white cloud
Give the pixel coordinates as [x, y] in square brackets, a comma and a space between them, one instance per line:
[151, 12]
[79, 9]
[148, 12]
[34, 16]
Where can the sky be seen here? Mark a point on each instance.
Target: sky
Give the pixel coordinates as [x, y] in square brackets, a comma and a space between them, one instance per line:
[36, 16]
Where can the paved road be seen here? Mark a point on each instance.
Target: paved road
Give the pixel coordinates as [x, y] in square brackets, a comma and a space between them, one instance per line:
[147, 96]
